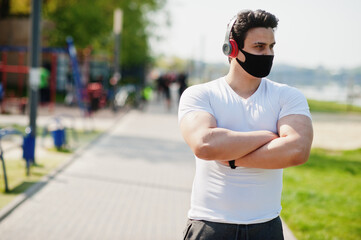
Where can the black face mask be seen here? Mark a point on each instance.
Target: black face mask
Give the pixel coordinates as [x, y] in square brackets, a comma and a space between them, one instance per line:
[256, 65]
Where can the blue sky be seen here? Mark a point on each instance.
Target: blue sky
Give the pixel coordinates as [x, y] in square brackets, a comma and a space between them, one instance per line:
[310, 32]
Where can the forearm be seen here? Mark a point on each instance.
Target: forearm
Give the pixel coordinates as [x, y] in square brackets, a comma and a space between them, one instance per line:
[279, 153]
[210, 142]
[290, 149]
[224, 144]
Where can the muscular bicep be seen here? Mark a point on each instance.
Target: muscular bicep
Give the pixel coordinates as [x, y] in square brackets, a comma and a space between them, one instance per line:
[296, 126]
[298, 132]
[195, 125]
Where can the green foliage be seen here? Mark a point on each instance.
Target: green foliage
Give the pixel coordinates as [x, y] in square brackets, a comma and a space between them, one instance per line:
[80, 19]
[332, 107]
[321, 199]
[90, 23]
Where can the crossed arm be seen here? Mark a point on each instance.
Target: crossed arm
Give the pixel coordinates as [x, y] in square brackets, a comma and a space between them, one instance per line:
[257, 149]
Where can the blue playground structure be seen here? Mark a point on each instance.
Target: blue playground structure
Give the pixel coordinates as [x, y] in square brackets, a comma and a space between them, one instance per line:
[28, 147]
[57, 129]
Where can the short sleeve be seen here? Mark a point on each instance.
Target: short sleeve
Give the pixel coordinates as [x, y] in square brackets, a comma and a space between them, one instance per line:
[292, 101]
[194, 98]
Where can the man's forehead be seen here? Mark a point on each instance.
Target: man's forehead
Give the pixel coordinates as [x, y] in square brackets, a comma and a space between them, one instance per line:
[260, 35]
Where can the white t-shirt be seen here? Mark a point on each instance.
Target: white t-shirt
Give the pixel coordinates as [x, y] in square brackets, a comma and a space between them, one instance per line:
[241, 195]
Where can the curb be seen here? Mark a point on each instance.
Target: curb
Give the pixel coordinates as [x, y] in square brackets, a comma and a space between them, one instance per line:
[14, 204]
[287, 233]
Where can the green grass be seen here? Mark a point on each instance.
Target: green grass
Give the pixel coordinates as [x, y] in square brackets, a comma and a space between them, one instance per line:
[18, 182]
[322, 198]
[332, 107]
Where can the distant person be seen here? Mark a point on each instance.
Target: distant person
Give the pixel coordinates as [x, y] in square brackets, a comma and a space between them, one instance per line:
[243, 129]
[112, 91]
[158, 82]
[182, 82]
[164, 86]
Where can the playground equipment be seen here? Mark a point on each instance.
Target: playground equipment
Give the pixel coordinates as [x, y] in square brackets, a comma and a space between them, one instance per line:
[80, 90]
[90, 96]
[28, 149]
[27, 146]
[89, 79]
[21, 69]
[57, 129]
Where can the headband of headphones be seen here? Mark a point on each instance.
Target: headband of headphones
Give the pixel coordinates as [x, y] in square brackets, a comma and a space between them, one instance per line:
[230, 47]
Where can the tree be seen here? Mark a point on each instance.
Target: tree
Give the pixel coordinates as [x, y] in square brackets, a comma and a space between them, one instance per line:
[90, 24]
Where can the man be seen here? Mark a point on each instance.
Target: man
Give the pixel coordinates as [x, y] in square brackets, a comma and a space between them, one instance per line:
[243, 129]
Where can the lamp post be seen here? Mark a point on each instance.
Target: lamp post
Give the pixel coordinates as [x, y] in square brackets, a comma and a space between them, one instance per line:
[117, 29]
[34, 68]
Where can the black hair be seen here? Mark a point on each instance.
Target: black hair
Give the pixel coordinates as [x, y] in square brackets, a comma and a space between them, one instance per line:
[248, 19]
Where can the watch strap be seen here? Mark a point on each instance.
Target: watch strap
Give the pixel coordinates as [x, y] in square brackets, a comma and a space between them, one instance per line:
[232, 164]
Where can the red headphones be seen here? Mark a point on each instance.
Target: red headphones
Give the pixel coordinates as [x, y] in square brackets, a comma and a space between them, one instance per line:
[230, 47]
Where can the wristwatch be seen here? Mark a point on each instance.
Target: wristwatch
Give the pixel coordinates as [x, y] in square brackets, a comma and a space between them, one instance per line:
[232, 164]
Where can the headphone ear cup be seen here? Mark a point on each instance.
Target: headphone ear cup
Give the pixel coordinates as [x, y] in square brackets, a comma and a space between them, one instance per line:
[234, 48]
[227, 48]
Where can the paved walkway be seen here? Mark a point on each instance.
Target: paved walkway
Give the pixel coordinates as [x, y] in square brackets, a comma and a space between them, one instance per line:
[337, 131]
[132, 183]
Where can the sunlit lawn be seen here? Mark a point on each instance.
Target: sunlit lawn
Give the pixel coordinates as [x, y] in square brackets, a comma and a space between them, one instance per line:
[18, 181]
[322, 198]
[332, 107]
